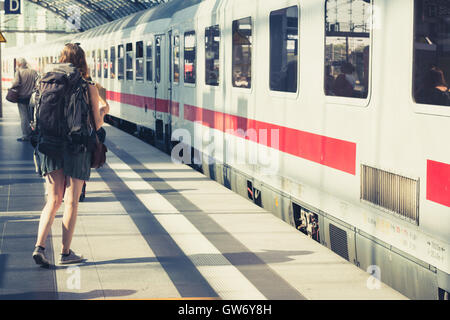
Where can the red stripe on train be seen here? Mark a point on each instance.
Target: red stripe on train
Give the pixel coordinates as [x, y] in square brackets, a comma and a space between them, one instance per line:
[331, 152]
[142, 101]
[438, 182]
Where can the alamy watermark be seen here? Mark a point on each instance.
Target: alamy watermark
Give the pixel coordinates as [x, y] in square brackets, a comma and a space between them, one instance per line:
[73, 281]
[73, 21]
[374, 18]
[374, 281]
[234, 146]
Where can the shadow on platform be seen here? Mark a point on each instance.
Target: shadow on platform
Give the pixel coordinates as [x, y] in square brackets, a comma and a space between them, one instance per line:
[48, 295]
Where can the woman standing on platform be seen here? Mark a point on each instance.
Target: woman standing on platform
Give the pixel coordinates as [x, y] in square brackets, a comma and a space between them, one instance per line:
[66, 176]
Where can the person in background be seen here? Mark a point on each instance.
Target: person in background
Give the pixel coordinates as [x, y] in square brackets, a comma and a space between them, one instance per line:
[435, 90]
[329, 81]
[101, 133]
[24, 82]
[344, 84]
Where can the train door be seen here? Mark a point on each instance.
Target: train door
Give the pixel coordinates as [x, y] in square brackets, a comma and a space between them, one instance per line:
[174, 80]
[140, 86]
[160, 107]
[169, 91]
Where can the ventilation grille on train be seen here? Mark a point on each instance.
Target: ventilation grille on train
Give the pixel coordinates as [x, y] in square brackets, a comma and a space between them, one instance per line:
[338, 240]
[391, 191]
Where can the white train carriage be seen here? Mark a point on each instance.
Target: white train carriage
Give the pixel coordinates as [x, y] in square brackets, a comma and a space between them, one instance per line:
[313, 109]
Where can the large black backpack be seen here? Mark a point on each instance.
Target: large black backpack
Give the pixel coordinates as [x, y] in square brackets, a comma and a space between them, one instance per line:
[62, 111]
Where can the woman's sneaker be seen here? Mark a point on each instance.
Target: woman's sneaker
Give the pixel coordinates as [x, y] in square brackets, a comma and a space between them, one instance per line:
[71, 257]
[39, 257]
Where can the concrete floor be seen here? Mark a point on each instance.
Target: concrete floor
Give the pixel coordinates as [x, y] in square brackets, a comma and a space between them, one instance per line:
[150, 228]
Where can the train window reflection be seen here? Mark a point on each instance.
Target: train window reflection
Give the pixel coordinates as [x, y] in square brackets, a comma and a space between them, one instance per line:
[112, 65]
[93, 73]
[284, 49]
[158, 59]
[432, 52]
[189, 57]
[105, 64]
[88, 61]
[212, 45]
[120, 64]
[99, 63]
[348, 26]
[140, 61]
[242, 53]
[129, 61]
[176, 58]
[149, 60]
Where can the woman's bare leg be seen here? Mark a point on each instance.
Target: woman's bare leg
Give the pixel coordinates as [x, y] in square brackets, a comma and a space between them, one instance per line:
[72, 197]
[55, 191]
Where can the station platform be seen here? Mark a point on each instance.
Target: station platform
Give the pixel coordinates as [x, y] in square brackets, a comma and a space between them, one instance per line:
[153, 229]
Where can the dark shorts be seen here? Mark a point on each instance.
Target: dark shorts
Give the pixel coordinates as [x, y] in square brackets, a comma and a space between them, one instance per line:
[77, 166]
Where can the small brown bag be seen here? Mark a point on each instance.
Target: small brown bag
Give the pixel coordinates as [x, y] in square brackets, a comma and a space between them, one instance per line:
[98, 156]
[12, 95]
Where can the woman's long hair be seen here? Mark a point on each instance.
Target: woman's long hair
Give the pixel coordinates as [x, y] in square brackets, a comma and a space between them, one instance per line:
[74, 54]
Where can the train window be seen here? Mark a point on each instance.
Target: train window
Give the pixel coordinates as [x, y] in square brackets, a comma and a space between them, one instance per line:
[92, 64]
[149, 60]
[158, 59]
[93, 73]
[99, 63]
[242, 53]
[176, 58]
[140, 61]
[432, 52]
[284, 49]
[88, 61]
[212, 44]
[189, 57]
[129, 61]
[112, 63]
[347, 47]
[120, 60]
[105, 64]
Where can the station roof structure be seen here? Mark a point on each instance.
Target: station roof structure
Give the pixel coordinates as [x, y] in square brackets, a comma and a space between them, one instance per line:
[87, 14]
